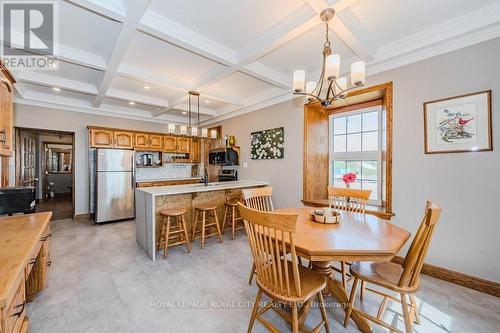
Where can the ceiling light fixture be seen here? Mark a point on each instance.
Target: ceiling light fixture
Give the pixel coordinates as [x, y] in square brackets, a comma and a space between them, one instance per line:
[147, 87]
[184, 112]
[131, 103]
[207, 101]
[56, 89]
[330, 72]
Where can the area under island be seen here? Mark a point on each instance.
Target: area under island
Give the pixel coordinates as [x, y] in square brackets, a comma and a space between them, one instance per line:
[149, 201]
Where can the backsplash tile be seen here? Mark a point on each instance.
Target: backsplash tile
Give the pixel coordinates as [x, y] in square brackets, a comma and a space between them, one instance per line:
[168, 171]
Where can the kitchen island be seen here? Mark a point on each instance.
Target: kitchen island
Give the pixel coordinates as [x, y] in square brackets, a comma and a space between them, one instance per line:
[149, 201]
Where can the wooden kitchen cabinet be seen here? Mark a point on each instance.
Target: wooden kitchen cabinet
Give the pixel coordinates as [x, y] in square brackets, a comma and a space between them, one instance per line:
[101, 138]
[141, 141]
[155, 141]
[170, 144]
[183, 145]
[195, 154]
[123, 140]
[6, 111]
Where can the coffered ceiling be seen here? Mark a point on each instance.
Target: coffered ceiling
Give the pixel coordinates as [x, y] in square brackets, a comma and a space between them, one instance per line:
[139, 58]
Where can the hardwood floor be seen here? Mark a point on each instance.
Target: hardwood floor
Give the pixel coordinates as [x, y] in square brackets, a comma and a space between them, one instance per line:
[61, 207]
[101, 281]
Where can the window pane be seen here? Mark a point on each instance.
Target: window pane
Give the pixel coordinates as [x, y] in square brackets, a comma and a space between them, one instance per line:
[370, 121]
[339, 125]
[339, 143]
[354, 142]
[371, 185]
[338, 183]
[370, 171]
[354, 167]
[354, 124]
[339, 169]
[370, 141]
[356, 185]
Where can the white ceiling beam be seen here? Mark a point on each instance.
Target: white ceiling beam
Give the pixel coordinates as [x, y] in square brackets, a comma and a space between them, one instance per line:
[139, 98]
[348, 27]
[137, 73]
[268, 75]
[136, 10]
[107, 8]
[297, 23]
[203, 110]
[163, 28]
[54, 81]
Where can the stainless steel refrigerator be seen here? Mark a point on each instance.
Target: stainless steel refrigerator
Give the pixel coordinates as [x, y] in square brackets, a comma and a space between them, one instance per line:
[115, 184]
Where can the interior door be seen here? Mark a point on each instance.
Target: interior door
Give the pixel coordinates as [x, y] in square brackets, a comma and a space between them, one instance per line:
[28, 159]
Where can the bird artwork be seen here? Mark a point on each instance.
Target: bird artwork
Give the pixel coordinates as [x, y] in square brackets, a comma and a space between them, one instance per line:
[454, 126]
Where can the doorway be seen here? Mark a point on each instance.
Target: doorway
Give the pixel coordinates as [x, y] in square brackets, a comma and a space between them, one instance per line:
[45, 160]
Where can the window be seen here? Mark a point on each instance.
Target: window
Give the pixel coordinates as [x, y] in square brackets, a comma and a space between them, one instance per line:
[355, 146]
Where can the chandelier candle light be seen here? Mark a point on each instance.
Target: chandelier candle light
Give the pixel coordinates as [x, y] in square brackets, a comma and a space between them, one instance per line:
[337, 86]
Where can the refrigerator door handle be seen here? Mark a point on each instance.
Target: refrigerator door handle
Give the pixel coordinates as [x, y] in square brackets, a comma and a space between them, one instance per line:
[133, 172]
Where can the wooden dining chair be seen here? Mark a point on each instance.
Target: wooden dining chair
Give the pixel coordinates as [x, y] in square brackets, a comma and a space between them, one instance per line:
[271, 238]
[349, 200]
[400, 278]
[260, 198]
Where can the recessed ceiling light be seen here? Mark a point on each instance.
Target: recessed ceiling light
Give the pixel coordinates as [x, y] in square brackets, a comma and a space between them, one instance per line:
[207, 101]
[56, 89]
[147, 87]
[184, 112]
[131, 103]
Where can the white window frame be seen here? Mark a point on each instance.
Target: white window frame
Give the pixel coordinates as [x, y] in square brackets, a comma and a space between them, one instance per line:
[375, 155]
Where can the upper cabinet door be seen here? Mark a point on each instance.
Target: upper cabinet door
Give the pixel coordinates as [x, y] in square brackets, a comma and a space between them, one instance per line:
[156, 141]
[141, 141]
[170, 144]
[101, 138]
[6, 116]
[124, 140]
[183, 145]
[195, 153]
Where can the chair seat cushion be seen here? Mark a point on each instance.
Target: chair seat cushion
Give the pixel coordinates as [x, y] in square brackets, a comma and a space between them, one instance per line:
[311, 282]
[385, 274]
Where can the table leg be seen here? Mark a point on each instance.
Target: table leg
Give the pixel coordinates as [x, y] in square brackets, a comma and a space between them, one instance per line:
[338, 292]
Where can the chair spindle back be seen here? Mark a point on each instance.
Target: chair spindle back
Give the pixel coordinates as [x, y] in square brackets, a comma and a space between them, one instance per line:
[271, 238]
[259, 198]
[350, 200]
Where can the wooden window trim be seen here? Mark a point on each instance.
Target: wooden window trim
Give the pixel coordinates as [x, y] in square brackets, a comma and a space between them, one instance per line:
[316, 169]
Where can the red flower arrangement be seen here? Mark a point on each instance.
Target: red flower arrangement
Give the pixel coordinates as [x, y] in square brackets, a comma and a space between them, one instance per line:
[349, 178]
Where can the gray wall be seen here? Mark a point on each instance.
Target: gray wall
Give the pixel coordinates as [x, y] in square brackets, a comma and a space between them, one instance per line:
[466, 185]
[62, 120]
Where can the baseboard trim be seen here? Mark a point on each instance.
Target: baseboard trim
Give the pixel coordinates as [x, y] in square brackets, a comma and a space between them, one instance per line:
[81, 217]
[461, 279]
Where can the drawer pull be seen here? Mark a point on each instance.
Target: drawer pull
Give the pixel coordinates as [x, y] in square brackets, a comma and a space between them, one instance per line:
[32, 261]
[49, 263]
[22, 306]
[43, 239]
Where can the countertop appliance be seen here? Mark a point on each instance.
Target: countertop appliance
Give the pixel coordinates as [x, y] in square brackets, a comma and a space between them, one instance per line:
[17, 200]
[115, 184]
[227, 175]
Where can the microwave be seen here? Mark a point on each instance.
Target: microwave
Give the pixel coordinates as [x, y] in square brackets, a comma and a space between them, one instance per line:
[223, 156]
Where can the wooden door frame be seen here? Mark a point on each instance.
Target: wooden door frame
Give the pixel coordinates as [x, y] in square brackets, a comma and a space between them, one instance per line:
[17, 155]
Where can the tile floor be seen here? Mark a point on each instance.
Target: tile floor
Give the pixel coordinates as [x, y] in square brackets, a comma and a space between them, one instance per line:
[101, 281]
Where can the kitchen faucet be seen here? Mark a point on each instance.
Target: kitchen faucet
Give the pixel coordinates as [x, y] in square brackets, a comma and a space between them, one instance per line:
[205, 177]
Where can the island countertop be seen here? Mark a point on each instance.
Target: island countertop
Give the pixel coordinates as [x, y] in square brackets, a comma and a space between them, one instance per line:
[195, 188]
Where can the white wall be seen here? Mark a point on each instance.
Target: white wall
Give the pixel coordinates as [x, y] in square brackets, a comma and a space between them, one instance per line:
[466, 185]
[61, 120]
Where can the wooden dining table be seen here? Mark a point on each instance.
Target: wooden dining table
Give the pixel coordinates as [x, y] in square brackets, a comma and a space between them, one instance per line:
[358, 237]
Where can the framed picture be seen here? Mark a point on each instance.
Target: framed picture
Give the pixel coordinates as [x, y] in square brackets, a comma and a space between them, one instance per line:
[268, 144]
[458, 124]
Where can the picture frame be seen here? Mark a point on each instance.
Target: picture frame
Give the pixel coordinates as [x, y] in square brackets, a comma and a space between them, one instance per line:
[268, 144]
[458, 124]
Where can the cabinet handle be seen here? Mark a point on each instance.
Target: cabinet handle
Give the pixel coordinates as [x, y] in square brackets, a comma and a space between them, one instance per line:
[32, 261]
[3, 136]
[43, 239]
[22, 306]
[49, 263]
[7, 84]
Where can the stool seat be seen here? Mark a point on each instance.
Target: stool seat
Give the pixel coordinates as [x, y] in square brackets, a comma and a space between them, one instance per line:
[173, 211]
[205, 207]
[232, 203]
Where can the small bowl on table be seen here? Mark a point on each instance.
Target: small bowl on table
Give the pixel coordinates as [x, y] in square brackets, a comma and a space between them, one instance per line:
[325, 216]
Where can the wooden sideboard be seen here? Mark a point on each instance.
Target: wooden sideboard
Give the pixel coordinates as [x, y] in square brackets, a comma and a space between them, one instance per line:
[103, 137]
[24, 260]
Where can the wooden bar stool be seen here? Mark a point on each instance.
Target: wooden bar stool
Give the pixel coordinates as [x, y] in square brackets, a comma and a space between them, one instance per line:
[173, 233]
[231, 212]
[206, 211]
